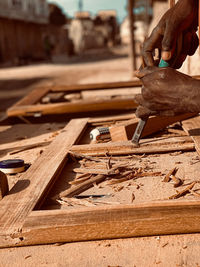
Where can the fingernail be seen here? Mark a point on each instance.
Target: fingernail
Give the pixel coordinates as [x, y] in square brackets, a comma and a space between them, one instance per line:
[166, 55]
[136, 73]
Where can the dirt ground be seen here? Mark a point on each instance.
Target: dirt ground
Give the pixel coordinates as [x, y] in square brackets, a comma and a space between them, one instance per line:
[176, 250]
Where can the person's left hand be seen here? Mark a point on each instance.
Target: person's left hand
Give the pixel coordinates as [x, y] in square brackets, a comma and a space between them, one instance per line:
[167, 92]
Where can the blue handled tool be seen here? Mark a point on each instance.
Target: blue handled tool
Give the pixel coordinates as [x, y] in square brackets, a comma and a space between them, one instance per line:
[141, 124]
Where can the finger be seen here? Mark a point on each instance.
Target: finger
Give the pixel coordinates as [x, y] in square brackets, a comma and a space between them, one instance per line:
[169, 37]
[142, 102]
[143, 112]
[150, 45]
[179, 61]
[194, 44]
[139, 99]
[166, 55]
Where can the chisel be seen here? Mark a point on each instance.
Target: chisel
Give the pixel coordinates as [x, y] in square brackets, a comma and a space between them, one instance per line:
[141, 124]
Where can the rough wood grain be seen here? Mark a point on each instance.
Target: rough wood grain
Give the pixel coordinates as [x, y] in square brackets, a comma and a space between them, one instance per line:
[121, 221]
[33, 97]
[110, 93]
[32, 186]
[3, 185]
[94, 86]
[112, 118]
[192, 127]
[77, 189]
[79, 106]
[126, 147]
[125, 131]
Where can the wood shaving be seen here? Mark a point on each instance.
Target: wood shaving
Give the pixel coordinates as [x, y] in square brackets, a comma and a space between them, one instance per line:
[183, 192]
[167, 177]
[132, 197]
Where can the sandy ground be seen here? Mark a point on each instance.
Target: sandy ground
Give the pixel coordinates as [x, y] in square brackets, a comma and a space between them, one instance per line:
[179, 250]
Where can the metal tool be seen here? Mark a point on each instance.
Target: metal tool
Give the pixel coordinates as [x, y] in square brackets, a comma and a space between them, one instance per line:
[141, 124]
[100, 133]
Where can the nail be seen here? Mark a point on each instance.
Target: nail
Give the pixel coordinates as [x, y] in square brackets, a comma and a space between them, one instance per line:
[166, 55]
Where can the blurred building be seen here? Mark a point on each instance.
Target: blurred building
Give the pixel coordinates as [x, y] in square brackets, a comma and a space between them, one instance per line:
[94, 32]
[22, 26]
[143, 12]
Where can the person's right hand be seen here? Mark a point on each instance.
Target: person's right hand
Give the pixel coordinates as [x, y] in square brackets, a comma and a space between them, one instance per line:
[182, 19]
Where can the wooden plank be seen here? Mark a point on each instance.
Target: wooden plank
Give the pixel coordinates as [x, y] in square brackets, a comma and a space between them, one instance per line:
[32, 186]
[79, 106]
[3, 185]
[110, 93]
[94, 86]
[112, 118]
[121, 221]
[33, 97]
[192, 127]
[127, 147]
[125, 131]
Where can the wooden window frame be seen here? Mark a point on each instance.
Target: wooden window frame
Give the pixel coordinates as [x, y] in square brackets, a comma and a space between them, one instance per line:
[27, 105]
[21, 224]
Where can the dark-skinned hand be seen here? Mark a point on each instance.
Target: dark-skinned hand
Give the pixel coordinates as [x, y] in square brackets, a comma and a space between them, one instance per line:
[167, 92]
[182, 19]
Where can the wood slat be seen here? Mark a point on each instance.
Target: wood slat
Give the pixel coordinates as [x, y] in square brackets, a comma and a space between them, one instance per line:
[121, 221]
[33, 97]
[192, 127]
[127, 147]
[125, 131]
[112, 118]
[110, 93]
[79, 106]
[32, 186]
[93, 86]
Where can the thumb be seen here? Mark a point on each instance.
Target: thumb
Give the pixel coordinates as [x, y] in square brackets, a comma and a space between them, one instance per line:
[143, 72]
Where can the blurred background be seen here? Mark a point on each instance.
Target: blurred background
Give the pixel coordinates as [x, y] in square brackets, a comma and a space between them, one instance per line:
[74, 41]
[56, 30]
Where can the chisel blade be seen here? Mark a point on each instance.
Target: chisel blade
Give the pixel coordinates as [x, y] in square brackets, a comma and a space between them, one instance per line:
[138, 131]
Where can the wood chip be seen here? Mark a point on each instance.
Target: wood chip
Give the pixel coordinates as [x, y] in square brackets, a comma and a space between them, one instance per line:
[183, 192]
[80, 180]
[118, 188]
[74, 201]
[94, 171]
[82, 175]
[171, 172]
[132, 197]
[109, 165]
[177, 181]
[165, 244]
[77, 189]
[194, 193]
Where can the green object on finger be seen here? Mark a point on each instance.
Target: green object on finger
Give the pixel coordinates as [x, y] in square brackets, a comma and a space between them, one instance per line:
[163, 64]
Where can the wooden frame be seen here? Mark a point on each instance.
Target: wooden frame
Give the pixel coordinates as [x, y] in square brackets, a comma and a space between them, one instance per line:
[21, 224]
[28, 105]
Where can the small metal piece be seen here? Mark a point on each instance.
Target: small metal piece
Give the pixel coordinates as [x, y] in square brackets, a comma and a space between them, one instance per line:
[138, 131]
[90, 196]
[100, 133]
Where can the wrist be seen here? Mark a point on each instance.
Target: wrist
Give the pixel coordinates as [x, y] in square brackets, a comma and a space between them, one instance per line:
[192, 101]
